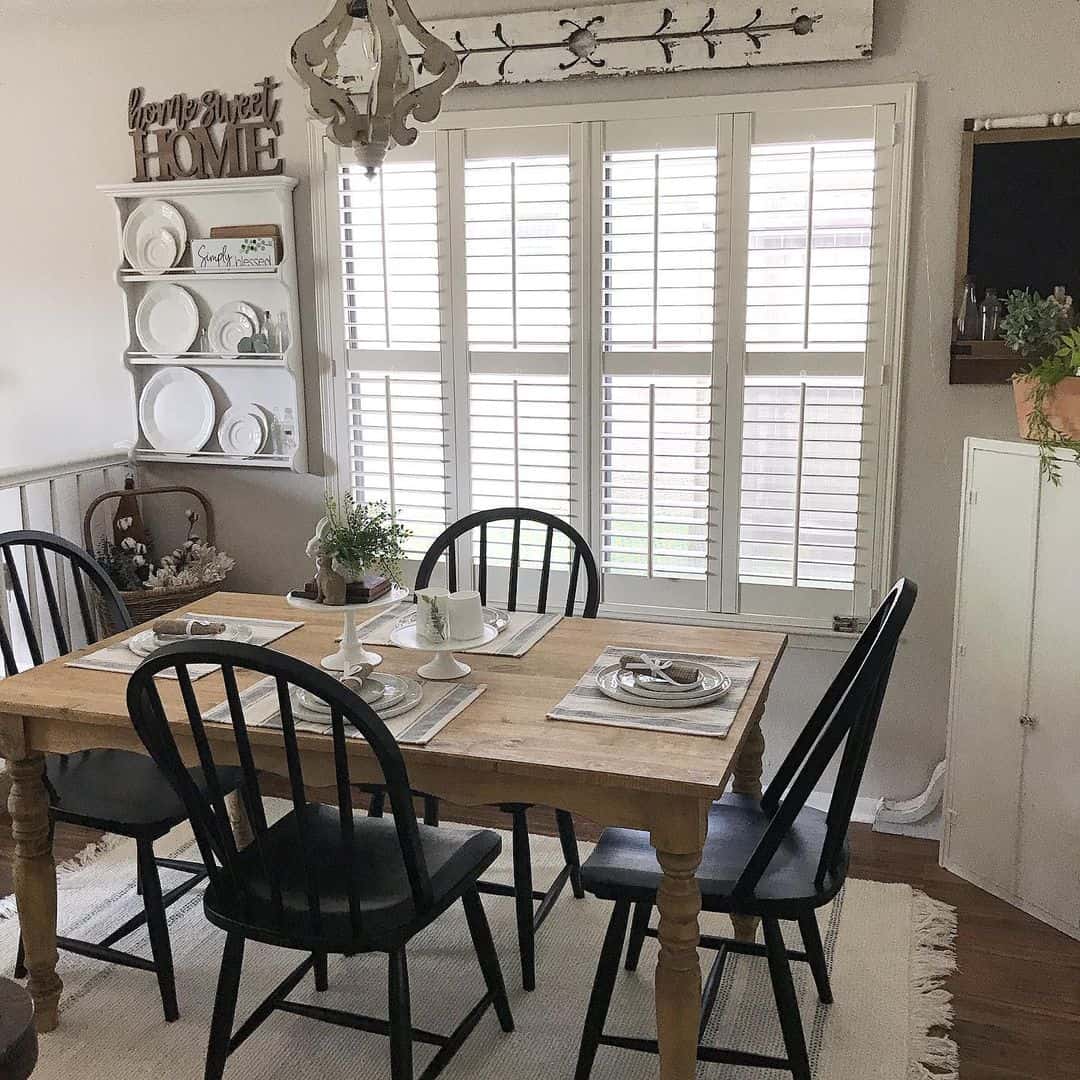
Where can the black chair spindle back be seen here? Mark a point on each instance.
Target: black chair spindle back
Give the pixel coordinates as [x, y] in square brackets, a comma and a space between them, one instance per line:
[847, 715]
[582, 556]
[230, 874]
[34, 547]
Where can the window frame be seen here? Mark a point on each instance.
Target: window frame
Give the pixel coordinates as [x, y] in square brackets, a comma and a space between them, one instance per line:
[586, 356]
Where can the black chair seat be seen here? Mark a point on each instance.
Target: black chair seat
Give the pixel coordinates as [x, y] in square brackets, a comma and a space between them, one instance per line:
[119, 791]
[384, 899]
[623, 865]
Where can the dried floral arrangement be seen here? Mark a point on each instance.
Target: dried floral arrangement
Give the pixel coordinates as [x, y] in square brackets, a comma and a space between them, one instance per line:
[195, 562]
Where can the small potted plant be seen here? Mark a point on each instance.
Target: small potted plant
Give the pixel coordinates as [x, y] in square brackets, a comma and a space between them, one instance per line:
[358, 549]
[1047, 390]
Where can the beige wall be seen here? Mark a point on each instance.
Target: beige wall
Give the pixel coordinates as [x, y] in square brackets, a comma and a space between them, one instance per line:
[65, 71]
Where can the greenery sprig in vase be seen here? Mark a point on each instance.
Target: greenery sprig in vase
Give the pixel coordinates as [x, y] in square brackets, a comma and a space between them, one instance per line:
[1037, 328]
[360, 538]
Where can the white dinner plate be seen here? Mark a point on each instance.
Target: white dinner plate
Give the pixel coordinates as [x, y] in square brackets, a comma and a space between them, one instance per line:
[412, 697]
[147, 642]
[230, 323]
[608, 682]
[167, 320]
[243, 430]
[711, 681]
[176, 411]
[379, 691]
[146, 221]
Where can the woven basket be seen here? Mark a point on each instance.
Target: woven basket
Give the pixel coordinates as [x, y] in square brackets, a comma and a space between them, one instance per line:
[146, 605]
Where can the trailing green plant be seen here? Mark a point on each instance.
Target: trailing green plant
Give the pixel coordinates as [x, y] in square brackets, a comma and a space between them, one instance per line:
[1032, 324]
[362, 537]
[1040, 380]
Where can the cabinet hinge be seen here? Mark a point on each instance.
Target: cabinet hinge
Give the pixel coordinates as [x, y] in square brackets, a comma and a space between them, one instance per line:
[848, 624]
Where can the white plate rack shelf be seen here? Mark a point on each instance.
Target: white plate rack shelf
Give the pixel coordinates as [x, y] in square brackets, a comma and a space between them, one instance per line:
[273, 380]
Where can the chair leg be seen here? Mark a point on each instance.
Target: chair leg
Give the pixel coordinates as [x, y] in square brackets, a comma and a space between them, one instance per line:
[603, 985]
[20, 960]
[568, 839]
[642, 915]
[787, 1005]
[523, 899]
[221, 1025]
[377, 804]
[157, 925]
[322, 978]
[815, 953]
[431, 810]
[138, 879]
[401, 1067]
[488, 957]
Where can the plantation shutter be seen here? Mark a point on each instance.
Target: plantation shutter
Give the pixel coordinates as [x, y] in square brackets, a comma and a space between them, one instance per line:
[392, 286]
[817, 207]
[658, 252]
[518, 208]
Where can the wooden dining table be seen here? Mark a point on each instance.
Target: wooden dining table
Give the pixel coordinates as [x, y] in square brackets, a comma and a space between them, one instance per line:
[500, 749]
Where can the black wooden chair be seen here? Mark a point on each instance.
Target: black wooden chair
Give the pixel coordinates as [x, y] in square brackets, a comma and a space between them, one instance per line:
[112, 790]
[320, 880]
[530, 917]
[778, 860]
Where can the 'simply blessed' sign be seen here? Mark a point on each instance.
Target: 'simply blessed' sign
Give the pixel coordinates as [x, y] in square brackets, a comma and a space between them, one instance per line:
[207, 136]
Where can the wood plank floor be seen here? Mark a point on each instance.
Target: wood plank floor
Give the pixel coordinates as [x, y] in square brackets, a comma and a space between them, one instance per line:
[1016, 995]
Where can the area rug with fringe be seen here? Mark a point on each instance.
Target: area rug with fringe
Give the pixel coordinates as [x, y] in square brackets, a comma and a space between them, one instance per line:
[890, 949]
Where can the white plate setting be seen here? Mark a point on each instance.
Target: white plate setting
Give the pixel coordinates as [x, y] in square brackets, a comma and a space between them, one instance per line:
[625, 686]
[147, 642]
[167, 320]
[155, 236]
[243, 430]
[229, 324]
[176, 411]
[388, 695]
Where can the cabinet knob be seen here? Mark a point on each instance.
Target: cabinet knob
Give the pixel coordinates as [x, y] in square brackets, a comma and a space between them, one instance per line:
[1028, 721]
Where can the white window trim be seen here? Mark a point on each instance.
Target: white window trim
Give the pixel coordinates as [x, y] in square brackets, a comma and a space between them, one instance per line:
[329, 332]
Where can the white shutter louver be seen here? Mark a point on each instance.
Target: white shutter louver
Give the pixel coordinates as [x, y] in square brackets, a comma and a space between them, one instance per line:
[659, 236]
[800, 482]
[655, 448]
[808, 279]
[390, 257]
[517, 253]
[398, 451]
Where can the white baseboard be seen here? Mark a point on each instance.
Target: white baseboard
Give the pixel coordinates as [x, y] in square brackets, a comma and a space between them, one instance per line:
[864, 811]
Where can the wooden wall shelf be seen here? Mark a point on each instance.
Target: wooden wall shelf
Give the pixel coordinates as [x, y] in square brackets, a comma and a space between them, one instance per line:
[985, 362]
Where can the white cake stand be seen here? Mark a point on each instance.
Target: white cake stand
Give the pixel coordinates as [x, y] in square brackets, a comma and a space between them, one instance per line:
[443, 664]
[352, 652]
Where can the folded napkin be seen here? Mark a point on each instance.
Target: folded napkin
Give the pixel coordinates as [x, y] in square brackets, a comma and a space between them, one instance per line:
[188, 628]
[663, 671]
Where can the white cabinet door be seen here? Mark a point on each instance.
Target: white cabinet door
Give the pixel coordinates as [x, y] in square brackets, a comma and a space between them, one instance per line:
[1050, 806]
[994, 614]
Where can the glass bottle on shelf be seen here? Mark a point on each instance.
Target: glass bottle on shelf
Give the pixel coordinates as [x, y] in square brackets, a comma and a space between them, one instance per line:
[967, 321]
[989, 316]
[283, 332]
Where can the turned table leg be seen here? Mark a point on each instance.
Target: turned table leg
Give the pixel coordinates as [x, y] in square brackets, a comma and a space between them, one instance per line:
[35, 885]
[678, 973]
[747, 781]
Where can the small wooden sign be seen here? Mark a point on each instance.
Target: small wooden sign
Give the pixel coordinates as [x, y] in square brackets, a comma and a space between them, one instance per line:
[208, 136]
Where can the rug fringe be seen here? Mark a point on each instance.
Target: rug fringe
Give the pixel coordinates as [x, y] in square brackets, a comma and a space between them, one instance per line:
[933, 960]
[89, 854]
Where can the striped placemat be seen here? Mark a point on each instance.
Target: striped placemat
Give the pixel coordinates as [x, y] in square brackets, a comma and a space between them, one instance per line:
[119, 658]
[524, 630]
[588, 704]
[441, 703]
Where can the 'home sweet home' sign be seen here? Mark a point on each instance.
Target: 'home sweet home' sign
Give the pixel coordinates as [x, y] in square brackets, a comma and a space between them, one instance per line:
[207, 136]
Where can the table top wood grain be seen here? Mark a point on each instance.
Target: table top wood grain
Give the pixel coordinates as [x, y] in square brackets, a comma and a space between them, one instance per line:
[504, 731]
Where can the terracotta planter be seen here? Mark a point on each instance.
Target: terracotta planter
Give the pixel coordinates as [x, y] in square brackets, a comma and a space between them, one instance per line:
[1062, 406]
